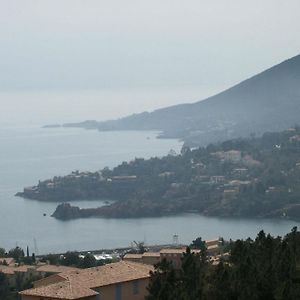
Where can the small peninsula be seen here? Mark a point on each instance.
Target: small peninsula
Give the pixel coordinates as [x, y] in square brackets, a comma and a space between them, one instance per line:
[249, 177]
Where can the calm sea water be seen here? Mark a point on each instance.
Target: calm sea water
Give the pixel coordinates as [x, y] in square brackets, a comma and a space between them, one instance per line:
[29, 154]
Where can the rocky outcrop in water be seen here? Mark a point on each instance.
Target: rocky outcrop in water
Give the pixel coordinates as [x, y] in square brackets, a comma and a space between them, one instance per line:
[65, 211]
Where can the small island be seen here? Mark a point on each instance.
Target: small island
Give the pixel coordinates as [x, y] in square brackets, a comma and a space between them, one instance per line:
[250, 177]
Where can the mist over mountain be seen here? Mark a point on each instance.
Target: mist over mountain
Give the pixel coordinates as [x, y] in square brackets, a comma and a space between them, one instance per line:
[269, 101]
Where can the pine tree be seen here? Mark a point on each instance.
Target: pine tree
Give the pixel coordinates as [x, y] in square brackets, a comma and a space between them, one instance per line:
[163, 283]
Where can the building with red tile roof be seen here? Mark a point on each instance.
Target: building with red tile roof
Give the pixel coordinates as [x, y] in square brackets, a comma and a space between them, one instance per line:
[121, 280]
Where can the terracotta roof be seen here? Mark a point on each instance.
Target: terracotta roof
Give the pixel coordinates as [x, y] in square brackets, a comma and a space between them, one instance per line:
[212, 242]
[11, 270]
[7, 270]
[151, 254]
[172, 251]
[9, 260]
[177, 251]
[55, 269]
[61, 290]
[109, 274]
[80, 283]
[23, 269]
[45, 281]
[133, 256]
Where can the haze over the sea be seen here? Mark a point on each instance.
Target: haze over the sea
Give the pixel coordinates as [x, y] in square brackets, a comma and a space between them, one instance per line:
[38, 108]
[66, 61]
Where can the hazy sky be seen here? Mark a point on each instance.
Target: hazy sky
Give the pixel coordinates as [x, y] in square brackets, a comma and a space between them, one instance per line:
[76, 59]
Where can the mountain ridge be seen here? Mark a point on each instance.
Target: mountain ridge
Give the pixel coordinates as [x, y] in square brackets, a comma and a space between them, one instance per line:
[266, 101]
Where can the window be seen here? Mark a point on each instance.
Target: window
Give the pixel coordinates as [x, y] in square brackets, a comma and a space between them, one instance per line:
[135, 287]
[119, 291]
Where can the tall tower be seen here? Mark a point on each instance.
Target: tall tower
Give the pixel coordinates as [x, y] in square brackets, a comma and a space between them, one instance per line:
[175, 240]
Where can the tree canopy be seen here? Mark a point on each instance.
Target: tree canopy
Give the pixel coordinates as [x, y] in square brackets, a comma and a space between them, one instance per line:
[266, 268]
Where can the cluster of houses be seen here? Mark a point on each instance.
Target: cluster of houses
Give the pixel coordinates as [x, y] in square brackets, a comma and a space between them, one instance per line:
[239, 175]
[121, 280]
[49, 184]
[227, 187]
[15, 272]
[124, 280]
[174, 255]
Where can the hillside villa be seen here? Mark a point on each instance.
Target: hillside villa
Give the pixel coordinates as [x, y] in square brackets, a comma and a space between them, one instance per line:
[116, 281]
[173, 255]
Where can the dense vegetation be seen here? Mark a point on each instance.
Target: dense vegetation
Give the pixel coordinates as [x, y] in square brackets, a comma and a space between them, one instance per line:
[75, 259]
[18, 255]
[7, 291]
[266, 268]
[253, 177]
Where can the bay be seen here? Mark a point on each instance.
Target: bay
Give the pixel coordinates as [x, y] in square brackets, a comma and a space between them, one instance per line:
[28, 154]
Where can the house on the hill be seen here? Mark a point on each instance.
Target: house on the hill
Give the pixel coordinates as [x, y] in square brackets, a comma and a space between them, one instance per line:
[117, 281]
[173, 255]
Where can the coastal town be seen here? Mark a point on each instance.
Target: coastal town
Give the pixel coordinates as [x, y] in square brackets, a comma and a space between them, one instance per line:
[241, 177]
[213, 269]
[119, 275]
[150, 150]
